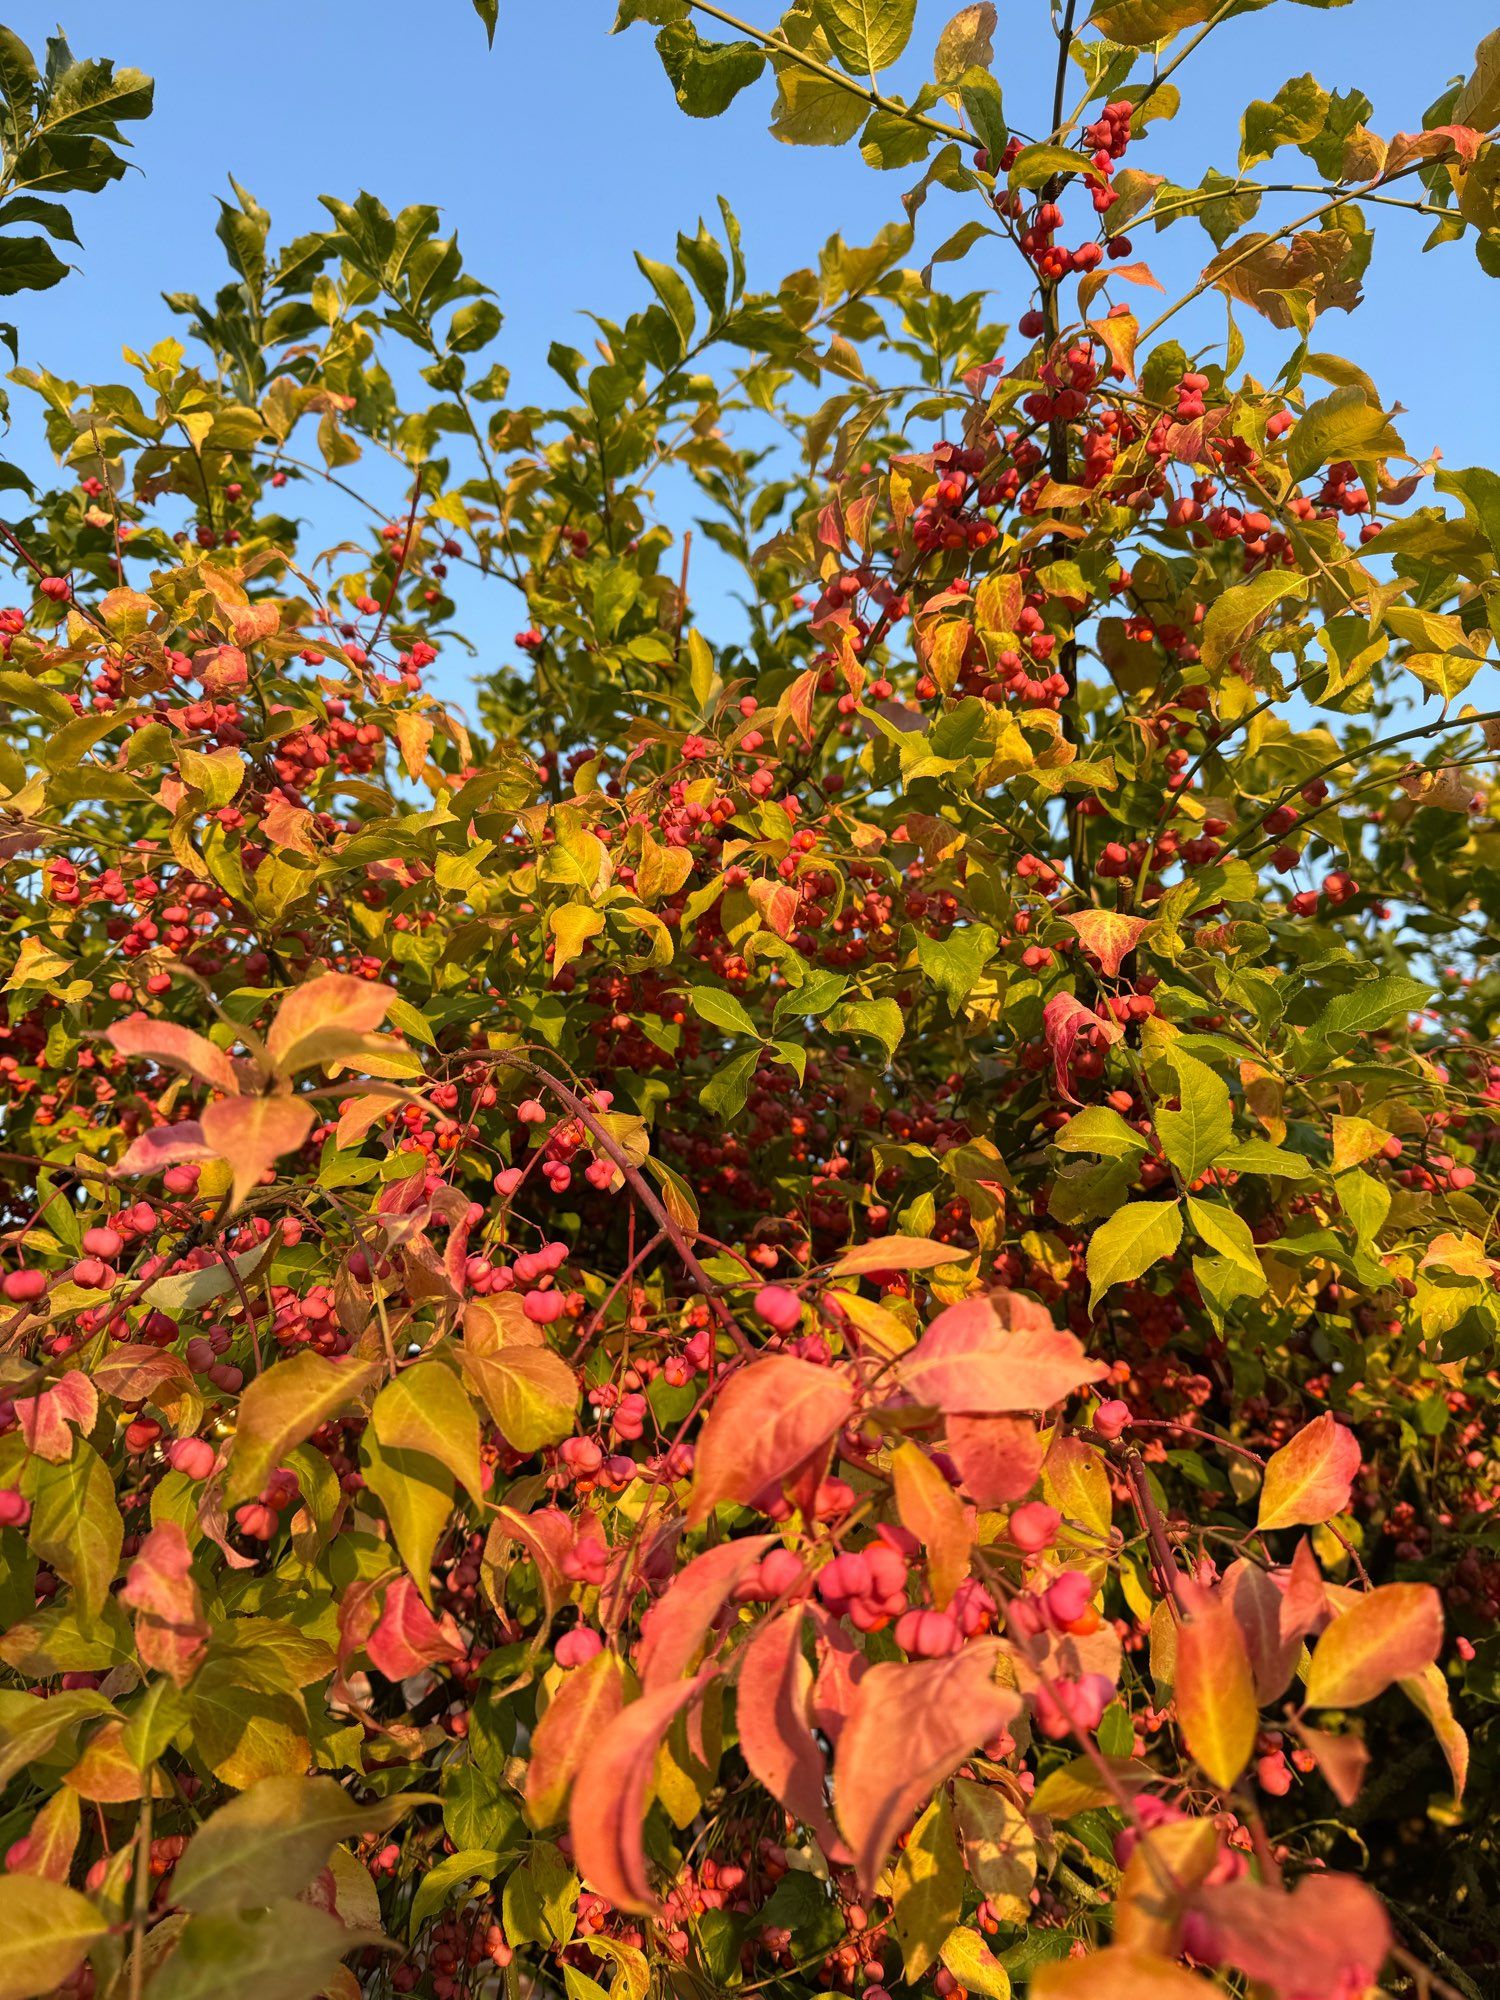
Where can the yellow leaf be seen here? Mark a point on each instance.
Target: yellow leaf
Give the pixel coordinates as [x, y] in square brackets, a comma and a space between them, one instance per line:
[1216, 1707]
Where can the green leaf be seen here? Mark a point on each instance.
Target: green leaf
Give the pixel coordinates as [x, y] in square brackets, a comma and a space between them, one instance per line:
[1343, 424]
[954, 963]
[1099, 1130]
[1193, 1137]
[1227, 1233]
[722, 1010]
[882, 1019]
[282, 1407]
[726, 1090]
[271, 1841]
[673, 293]
[1235, 611]
[1367, 1008]
[1297, 112]
[984, 107]
[416, 1494]
[470, 1864]
[866, 35]
[1130, 1243]
[76, 1524]
[288, 1953]
[539, 1905]
[707, 76]
[1259, 1156]
[927, 1889]
[1036, 165]
[530, 1392]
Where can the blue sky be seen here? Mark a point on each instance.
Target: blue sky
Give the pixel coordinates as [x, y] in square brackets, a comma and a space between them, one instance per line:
[560, 152]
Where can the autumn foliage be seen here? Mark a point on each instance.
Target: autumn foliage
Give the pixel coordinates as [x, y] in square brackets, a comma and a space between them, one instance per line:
[809, 1306]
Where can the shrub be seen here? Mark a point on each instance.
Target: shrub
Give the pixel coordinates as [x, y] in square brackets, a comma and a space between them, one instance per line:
[803, 1310]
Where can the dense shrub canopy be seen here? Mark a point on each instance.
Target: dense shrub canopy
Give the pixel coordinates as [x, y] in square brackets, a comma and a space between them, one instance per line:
[813, 1305]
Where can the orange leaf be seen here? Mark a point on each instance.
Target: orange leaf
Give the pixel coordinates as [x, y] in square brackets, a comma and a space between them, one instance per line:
[998, 1458]
[677, 1623]
[609, 1813]
[1118, 1974]
[172, 1047]
[1308, 1480]
[910, 1725]
[1259, 1610]
[930, 1508]
[546, 1536]
[408, 1637]
[1216, 1706]
[768, 1421]
[589, 1699]
[162, 1147]
[1330, 1935]
[253, 1132]
[324, 1020]
[1107, 935]
[776, 1738]
[1394, 1631]
[171, 1633]
[994, 1355]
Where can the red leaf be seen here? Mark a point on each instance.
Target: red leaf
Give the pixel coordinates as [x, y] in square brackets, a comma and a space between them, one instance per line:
[999, 1458]
[408, 1637]
[1308, 1480]
[608, 1819]
[772, 1710]
[766, 1422]
[1064, 1020]
[171, 1633]
[911, 1725]
[324, 1020]
[252, 1133]
[1329, 1936]
[676, 1625]
[172, 1047]
[989, 1356]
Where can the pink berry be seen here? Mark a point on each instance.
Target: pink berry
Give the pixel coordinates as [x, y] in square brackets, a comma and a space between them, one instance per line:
[576, 1648]
[778, 1307]
[22, 1287]
[15, 1508]
[1034, 1526]
[1111, 1418]
[192, 1457]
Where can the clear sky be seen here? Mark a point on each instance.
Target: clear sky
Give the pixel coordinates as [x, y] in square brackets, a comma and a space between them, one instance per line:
[562, 151]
